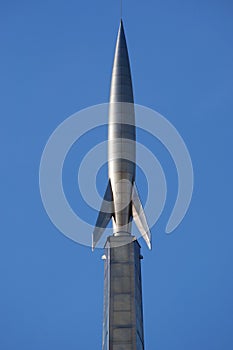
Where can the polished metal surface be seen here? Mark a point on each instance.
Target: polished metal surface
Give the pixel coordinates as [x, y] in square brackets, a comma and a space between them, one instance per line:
[120, 146]
[121, 201]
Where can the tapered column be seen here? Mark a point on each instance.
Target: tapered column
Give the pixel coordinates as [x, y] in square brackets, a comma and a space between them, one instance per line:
[123, 317]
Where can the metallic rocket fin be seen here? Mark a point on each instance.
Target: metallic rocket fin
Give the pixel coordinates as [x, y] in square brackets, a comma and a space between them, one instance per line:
[105, 215]
[139, 217]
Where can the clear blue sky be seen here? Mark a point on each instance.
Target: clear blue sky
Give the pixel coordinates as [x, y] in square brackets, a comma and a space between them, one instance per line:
[56, 58]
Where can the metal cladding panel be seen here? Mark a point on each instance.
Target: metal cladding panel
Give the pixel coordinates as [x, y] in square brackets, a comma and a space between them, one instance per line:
[123, 108]
[125, 131]
[123, 319]
[121, 134]
[125, 166]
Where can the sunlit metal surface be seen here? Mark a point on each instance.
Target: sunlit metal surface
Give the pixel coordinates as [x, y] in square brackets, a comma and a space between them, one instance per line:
[121, 201]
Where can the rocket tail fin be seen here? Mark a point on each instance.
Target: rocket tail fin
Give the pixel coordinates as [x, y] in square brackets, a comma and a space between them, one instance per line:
[140, 217]
[105, 215]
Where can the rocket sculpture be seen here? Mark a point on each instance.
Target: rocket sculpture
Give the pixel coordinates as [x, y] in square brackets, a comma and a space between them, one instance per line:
[121, 202]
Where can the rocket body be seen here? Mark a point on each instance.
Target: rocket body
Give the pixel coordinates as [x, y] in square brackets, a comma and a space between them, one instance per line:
[121, 201]
[121, 137]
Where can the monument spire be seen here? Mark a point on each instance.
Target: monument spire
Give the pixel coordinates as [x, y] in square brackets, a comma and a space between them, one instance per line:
[123, 316]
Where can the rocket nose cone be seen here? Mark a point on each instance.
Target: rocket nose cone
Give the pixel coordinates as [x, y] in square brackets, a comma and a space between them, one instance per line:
[121, 40]
[121, 86]
[121, 28]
